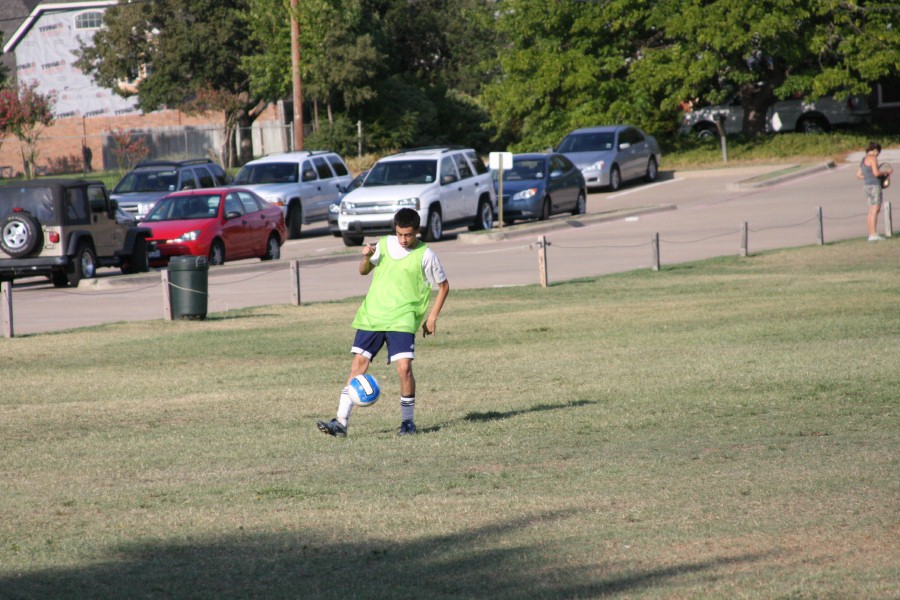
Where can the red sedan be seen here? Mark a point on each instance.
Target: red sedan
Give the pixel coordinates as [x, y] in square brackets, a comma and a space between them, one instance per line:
[219, 223]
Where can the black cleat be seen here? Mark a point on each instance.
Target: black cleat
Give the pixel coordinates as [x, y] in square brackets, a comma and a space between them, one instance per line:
[333, 428]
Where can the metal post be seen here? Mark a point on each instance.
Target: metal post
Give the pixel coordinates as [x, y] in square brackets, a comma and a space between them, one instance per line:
[500, 193]
[744, 239]
[6, 307]
[359, 139]
[654, 250]
[295, 282]
[820, 232]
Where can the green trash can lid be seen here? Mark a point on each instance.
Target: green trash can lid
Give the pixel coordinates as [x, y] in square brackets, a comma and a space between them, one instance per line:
[188, 263]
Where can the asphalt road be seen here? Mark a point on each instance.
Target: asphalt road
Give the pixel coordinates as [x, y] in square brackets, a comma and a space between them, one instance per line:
[697, 215]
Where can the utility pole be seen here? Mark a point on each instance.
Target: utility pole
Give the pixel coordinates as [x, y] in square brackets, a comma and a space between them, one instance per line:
[295, 78]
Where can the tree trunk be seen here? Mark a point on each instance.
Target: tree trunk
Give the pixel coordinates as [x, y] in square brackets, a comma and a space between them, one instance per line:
[755, 102]
[245, 153]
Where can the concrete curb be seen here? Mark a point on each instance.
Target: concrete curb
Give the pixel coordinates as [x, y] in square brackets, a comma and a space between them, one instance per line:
[780, 176]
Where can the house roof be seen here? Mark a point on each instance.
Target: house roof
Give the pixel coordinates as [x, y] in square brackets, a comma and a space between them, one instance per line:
[40, 9]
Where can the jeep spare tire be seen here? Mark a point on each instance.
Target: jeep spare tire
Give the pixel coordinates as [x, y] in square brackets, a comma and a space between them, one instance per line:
[20, 234]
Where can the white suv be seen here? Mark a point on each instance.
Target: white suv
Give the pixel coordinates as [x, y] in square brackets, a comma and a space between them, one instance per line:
[303, 183]
[786, 115]
[445, 185]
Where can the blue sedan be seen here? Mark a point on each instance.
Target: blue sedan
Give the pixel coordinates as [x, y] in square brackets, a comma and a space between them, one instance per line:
[613, 154]
[539, 185]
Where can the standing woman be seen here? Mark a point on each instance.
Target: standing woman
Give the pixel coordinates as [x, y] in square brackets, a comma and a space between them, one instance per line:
[872, 184]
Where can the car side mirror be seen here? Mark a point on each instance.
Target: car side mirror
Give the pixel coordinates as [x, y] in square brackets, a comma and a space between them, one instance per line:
[556, 174]
[309, 175]
[448, 179]
[624, 146]
[232, 215]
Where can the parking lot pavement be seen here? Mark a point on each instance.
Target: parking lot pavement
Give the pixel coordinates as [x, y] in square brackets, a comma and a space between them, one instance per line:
[696, 216]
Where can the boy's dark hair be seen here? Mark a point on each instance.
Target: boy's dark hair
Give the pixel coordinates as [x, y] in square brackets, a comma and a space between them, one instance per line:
[407, 217]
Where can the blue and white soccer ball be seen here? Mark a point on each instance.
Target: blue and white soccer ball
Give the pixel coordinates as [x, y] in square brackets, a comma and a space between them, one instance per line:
[364, 390]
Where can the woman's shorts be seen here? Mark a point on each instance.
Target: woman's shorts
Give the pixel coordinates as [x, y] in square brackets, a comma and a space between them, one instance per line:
[873, 194]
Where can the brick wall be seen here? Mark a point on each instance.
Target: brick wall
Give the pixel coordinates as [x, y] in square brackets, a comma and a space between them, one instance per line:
[64, 138]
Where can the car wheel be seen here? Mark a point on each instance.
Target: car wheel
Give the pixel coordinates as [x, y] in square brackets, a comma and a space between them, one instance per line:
[545, 209]
[813, 125]
[294, 220]
[485, 218]
[84, 265]
[652, 170]
[59, 279]
[273, 249]
[615, 179]
[707, 132]
[580, 205]
[352, 240]
[434, 229]
[20, 234]
[217, 253]
[137, 262]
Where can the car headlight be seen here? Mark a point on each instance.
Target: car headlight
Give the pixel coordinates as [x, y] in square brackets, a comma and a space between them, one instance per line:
[597, 166]
[335, 208]
[525, 194]
[276, 200]
[407, 203]
[144, 207]
[190, 236]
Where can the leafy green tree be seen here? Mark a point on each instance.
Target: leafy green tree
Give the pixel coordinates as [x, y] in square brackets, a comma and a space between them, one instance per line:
[338, 60]
[765, 50]
[565, 65]
[172, 50]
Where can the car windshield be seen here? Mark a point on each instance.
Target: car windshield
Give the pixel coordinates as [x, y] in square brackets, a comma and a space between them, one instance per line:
[588, 142]
[532, 168]
[182, 208]
[401, 172]
[268, 173]
[147, 181]
[38, 201]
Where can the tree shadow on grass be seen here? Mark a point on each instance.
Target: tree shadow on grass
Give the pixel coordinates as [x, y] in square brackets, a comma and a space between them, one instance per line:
[481, 562]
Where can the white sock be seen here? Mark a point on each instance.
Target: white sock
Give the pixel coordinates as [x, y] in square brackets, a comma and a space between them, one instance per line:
[407, 407]
[344, 408]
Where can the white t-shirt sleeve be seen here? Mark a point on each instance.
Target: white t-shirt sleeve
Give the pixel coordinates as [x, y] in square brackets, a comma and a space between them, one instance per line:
[431, 266]
[377, 256]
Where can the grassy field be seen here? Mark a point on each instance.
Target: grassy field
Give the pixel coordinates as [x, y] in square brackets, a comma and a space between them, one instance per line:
[723, 429]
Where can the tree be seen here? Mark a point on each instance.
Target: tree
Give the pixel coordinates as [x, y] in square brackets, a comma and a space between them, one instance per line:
[338, 59]
[176, 52]
[565, 65]
[25, 112]
[767, 50]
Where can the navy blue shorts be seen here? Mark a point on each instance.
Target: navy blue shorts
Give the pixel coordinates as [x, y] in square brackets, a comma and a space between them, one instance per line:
[399, 344]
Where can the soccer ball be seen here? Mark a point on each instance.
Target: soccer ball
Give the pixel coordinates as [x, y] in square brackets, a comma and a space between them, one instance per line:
[364, 390]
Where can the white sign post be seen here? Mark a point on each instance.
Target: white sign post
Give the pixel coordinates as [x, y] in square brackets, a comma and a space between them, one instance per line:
[500, 161]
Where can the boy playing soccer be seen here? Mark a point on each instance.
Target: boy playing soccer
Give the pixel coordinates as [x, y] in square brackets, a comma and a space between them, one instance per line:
[392, 312]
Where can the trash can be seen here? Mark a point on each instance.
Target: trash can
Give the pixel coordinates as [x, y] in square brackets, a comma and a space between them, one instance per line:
[188, 285]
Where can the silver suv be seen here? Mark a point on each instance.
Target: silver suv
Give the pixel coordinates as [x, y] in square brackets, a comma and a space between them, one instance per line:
[303, 183]
[786, 115]
[445, 185]
[149, 181]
